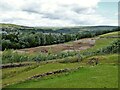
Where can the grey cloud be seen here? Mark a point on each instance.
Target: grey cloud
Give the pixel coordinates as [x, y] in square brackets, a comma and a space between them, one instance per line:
[79, 10]
[31, 8]
[51, 16]
[40, 12]
[31, 11]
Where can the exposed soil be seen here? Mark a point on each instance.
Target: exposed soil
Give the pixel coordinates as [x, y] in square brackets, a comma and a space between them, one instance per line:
[78, 45]
[81, 44]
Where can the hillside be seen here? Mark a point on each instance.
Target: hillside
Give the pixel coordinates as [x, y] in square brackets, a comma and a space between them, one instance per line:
[70, 70]
[55, 44]
[13, 27]
[99, 76]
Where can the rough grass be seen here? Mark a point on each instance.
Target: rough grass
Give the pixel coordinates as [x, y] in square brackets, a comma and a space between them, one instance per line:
[110, 34]
[100, 43]
[10, 72]
[103, 75]
[104, 59]
[24, 74]
[100, 76]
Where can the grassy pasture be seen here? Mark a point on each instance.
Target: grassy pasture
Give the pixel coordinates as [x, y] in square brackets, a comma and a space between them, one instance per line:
[15, 75]
[100, 43]
[104, 75]
[110, 34]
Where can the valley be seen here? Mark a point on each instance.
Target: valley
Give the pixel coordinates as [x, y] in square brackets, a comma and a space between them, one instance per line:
[85, 61]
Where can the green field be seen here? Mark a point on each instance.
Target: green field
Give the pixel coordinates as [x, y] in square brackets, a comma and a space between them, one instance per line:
[103, 75]
[24, 74]
[110, 34]
[100, 43]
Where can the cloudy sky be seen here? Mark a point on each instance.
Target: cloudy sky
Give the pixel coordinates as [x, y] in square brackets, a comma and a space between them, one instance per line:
[59, 12]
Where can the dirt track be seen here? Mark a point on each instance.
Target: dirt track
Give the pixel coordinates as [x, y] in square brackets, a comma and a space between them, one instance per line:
[81, 44]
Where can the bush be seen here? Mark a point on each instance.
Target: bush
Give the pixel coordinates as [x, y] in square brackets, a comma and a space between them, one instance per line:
[10, 56]
[70, 60]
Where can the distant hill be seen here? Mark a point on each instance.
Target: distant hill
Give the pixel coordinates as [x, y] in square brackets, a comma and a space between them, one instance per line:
[13, 27]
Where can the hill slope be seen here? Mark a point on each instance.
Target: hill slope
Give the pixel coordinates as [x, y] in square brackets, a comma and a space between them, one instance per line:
[13, 27]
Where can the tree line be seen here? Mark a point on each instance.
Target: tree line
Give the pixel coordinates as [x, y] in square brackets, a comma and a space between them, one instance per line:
[10, 56]
[20, 40]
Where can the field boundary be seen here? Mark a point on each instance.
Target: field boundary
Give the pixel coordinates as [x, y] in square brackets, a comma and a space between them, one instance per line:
[46, 74]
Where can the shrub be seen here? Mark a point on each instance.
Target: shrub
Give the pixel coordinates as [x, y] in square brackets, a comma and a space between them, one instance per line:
[70, 60]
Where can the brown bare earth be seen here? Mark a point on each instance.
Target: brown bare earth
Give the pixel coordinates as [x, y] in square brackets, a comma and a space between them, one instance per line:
[81, 44]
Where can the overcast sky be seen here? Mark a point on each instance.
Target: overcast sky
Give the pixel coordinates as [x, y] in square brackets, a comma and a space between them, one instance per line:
[59, 12]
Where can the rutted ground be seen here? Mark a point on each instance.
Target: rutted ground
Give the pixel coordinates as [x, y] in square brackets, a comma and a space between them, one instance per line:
[77, 45]
[81, 44]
